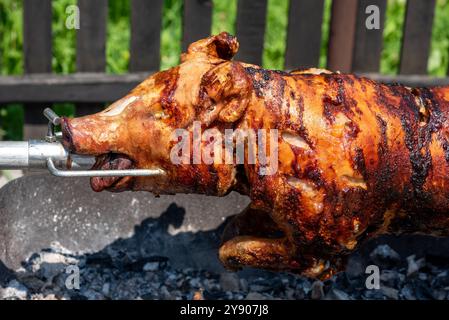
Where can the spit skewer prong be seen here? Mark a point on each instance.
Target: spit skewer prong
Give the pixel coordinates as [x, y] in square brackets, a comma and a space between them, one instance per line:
[102, 173]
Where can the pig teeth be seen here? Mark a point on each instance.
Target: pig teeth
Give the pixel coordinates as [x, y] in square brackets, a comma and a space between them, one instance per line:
[110, 161]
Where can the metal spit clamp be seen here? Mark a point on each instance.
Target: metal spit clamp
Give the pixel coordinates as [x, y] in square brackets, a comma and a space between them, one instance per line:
[52, 155]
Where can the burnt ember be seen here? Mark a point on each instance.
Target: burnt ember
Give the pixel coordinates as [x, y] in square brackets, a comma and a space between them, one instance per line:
[116, 275]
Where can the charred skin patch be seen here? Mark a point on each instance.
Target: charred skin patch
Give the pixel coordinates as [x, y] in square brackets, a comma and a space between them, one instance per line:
[337, 100]
[169, 80]
[382, 153]
[436, 119]
[274, 84]
[350, 214]
[417, 140]
[302, 128]
[260, 78]
[200, 178]
[298, 126]
[359, 162]
[352, 130]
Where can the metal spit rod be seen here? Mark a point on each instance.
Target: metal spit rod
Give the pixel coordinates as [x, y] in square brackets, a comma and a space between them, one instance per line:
[33, 154]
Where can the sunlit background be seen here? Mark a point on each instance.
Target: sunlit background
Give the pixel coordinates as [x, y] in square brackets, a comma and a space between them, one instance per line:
[224, 16]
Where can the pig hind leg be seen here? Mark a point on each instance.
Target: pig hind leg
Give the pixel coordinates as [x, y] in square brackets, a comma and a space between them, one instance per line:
[251, 222]
[253, 239]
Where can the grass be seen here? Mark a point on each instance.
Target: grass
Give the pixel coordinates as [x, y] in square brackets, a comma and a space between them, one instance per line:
[223, 19]
[439, 53]
[392, 35]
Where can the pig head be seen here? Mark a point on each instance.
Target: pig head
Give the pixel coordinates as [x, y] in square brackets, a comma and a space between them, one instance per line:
[139, 130]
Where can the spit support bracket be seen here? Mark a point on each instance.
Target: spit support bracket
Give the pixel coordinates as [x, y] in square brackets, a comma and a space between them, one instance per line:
[50, 154]
[53, 120]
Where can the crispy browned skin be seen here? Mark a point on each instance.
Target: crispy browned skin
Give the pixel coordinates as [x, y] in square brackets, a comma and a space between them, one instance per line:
[356, 158]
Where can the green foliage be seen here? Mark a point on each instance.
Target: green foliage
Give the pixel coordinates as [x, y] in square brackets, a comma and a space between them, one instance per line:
[276, 35]
[325, 33]
[11, 38]
[171, 33]
[11, 122]
[11, 63]
[223, 19]
[439, 53]
[63, 46]
[118, 36]
[394, 21]
[223, 16]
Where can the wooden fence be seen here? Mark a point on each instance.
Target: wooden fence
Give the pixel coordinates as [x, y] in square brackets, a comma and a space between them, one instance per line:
[352, 47]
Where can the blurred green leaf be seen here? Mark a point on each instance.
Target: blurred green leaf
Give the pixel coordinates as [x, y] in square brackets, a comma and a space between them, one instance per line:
[223, 16]
[223, 19]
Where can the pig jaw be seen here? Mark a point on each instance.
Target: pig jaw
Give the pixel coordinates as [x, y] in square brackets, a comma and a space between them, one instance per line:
[86, 135]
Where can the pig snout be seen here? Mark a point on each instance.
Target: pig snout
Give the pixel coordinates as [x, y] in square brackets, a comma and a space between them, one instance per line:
[102, 135]
[84, 136]
[101, 132]
[90, 135]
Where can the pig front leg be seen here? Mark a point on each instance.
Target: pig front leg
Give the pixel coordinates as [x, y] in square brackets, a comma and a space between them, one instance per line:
[253, 239]
[255, 252]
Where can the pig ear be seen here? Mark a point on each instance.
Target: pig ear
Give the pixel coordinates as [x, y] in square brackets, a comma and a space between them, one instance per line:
[222, 46]
[229, 88]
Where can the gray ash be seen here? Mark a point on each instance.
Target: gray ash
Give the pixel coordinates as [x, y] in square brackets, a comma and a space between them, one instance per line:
[116, 274]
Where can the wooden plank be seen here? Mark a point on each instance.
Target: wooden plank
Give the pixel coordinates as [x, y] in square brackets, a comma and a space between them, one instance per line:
[417, 33]
[100, 87]
[197, 21]
[250, 30]
[409, 80]
[146, 20]
[368, 42]
[342, 35]
[77, 87]
[90, 38]
[37, 50]
[91, 44]
[305, 19]
[37, 36]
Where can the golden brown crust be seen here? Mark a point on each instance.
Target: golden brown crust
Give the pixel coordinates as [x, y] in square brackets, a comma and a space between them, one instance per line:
[356, 157]
[352, 153]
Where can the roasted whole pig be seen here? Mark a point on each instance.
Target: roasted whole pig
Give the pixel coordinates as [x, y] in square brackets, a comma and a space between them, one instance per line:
[353, 158]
